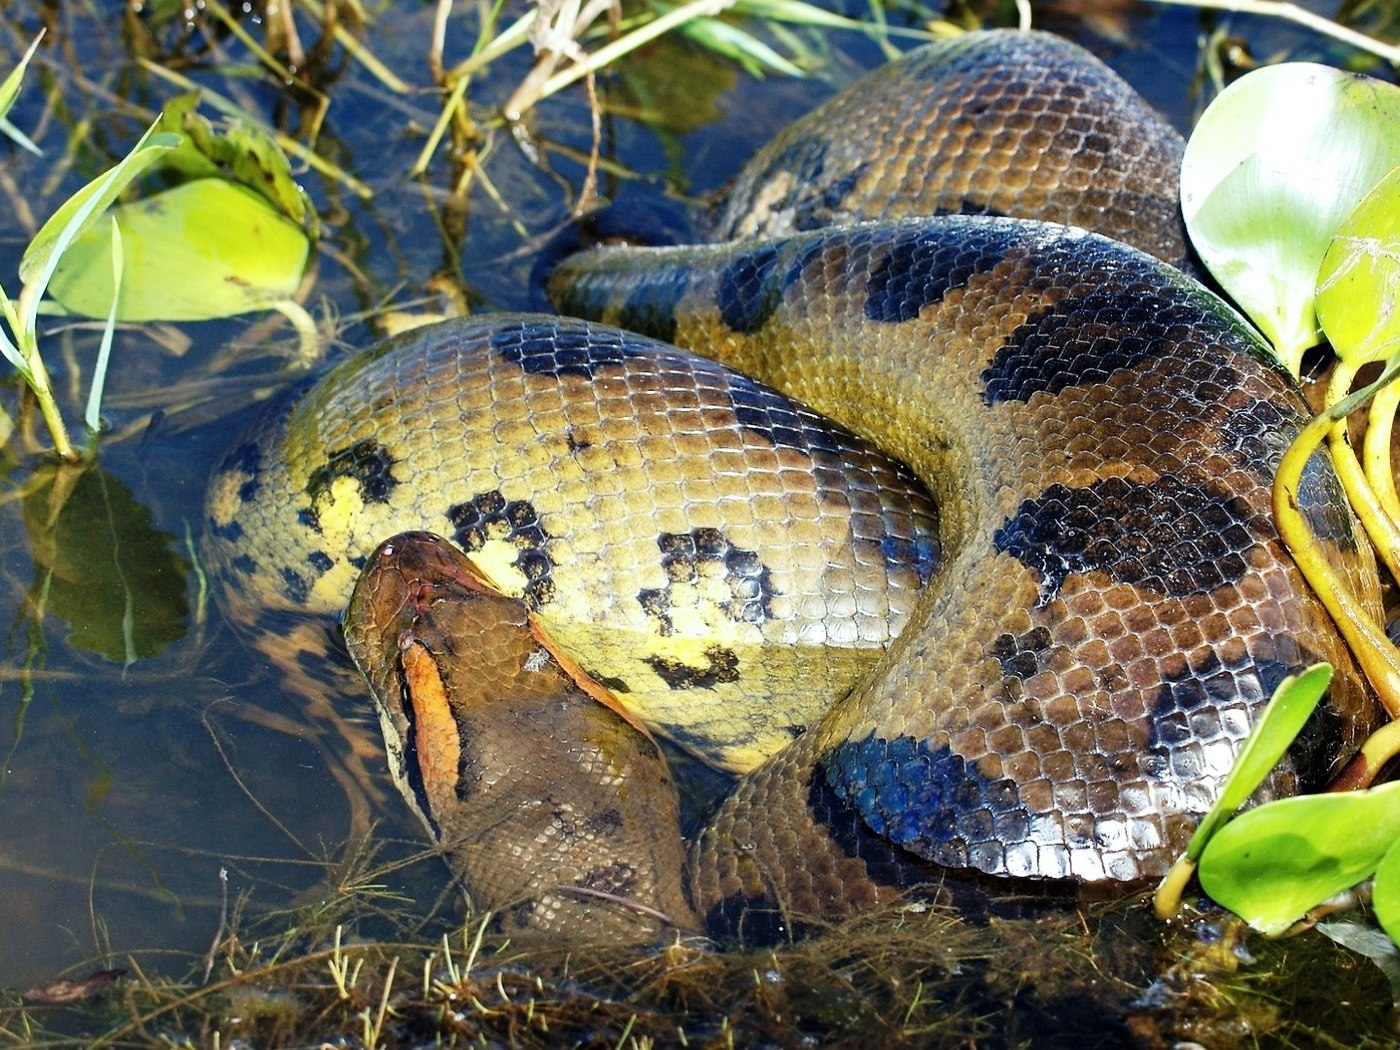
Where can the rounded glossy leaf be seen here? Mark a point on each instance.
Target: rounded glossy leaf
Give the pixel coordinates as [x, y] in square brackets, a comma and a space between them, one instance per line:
[204, 249]
[1359, 282]
[1385, 896]
[1272, 864]
[1275, 165]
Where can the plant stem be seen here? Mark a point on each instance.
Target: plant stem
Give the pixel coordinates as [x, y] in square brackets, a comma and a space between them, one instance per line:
[1378, 658]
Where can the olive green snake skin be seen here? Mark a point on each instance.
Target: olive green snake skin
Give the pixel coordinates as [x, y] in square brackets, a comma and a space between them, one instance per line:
[1108, 604]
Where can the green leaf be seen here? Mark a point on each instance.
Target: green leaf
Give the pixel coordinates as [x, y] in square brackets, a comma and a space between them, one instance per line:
[1385, 895]
[9, 92]
[1272, 864]
[739, 46]
[118, 583]
[1272, 169]
[243, 153]
[1359, 282]
[1278, 726]
[82, 209]
[204, 249]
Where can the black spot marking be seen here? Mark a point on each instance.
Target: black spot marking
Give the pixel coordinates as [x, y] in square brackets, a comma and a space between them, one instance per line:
[1314, 751]
[651, 305]
[309, 519]
[747, 294]
[1084, 339]
[721, 665]
[604, 822]
[245, 461]
[543, 348]
[750, 921]
[1171, 537]
[490, 516]
[1019, 655]
[576, 443]
[917, 271]
[320, 561]
[229, 532]
[967, 206]
[1186, 718]
[243, 565]
[367, 463]
[656, 603]
[925, 798]
[704, 553]
[813, 210]
[782, 423]
[616, 878]
[613, 685]
[1324, 504]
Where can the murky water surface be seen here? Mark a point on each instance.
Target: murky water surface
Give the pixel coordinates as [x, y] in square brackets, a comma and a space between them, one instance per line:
[156, 780]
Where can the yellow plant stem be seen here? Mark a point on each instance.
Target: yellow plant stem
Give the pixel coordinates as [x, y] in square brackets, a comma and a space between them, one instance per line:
[1166, 902]
[1379, 525]
[1376, 449]
[1379, 749]
[1378, 658]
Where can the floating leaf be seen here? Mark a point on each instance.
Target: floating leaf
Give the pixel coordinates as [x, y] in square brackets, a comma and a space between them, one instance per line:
[1359, 282]
[1278, 726]
[1385, 896]
[1272, 864]
[116, 581]
[1273, 167]
[204, 249]
[83, 209]
[243, 153]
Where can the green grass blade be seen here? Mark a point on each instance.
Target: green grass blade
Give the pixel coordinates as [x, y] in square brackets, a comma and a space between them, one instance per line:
[99, 372]
[1289, 708]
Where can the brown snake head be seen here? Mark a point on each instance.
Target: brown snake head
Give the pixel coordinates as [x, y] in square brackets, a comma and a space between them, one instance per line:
[503, 753]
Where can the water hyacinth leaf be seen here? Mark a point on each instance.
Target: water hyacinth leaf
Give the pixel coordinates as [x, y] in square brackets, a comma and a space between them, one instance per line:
[1359, 282]
[1274, 166]
[1273, 864]
[179, 264]
[242, 153]
[82, 209]
[1278, 726]
[1385, 895]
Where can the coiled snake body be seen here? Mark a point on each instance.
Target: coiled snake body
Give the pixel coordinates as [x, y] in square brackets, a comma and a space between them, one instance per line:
[1098, 434]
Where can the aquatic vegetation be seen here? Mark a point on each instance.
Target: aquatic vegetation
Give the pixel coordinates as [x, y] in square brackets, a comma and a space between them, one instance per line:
[1291, 192]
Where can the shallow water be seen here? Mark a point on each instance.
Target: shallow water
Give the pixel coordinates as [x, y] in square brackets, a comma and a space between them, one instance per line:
[144, 802]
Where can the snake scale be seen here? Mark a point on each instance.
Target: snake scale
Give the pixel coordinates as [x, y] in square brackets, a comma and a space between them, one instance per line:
[1015, 630]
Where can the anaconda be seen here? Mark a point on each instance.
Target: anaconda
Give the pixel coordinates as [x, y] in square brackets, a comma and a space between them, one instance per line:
[1098, 433]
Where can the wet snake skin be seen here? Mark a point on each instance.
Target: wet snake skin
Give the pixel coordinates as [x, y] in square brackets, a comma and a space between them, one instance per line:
[1097, 435]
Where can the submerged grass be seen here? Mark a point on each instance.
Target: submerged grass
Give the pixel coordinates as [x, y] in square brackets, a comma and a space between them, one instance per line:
[916, 977]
